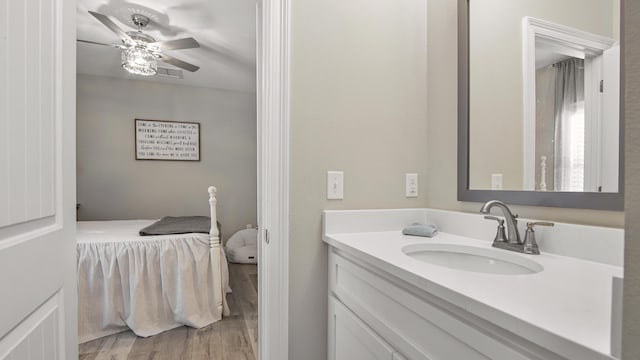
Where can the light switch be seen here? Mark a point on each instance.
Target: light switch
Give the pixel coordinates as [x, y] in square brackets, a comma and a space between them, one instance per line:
[411, 185]
[335, 185]
[496, 181]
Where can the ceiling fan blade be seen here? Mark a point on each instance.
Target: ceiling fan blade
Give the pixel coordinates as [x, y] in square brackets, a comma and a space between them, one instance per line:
[186, 43]
[95, 43]
[111, 25]
[179, 63]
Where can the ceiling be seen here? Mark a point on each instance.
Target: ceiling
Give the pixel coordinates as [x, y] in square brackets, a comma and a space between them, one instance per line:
[225, 30]
[546, 57]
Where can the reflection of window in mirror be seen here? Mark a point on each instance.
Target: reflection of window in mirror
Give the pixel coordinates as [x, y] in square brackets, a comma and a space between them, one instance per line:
[560, 121]
[571, 127]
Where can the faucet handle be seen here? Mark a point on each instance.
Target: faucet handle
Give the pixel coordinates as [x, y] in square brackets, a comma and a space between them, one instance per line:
[499, 220]
[530, 244]
[501, 235]
[530, 225]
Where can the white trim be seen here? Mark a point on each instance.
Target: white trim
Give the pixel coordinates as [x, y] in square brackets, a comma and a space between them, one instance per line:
[65, 67]
[528, 106]
[577, 42]
[610, 123]
[593, 123]
[273, 178]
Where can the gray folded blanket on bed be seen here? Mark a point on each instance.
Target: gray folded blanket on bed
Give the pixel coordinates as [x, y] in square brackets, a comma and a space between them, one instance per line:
[169, 225]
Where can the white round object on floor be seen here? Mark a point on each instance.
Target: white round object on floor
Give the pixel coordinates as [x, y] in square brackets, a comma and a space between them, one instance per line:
[242, 247]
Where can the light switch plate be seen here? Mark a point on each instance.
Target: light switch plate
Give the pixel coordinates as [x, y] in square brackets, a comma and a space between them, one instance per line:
[335, 185]
[411, 185]
[496, 181]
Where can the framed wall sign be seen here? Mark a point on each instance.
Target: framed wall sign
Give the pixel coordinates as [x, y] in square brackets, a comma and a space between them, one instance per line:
[167, 140]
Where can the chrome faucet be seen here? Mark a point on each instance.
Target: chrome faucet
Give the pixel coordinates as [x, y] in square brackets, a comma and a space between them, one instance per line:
[512, 241]
[513, 235]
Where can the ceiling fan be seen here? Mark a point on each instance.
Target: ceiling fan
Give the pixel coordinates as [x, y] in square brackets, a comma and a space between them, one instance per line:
[140, 51]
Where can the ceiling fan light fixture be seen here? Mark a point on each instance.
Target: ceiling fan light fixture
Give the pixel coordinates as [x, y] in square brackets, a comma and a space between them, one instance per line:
[139, 60]
[140, 51]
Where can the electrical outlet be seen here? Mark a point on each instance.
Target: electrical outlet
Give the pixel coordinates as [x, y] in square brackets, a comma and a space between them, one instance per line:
[411, 185]
[335, 185]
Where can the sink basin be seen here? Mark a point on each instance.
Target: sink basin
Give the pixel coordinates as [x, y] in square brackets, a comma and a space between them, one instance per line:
[473, 259]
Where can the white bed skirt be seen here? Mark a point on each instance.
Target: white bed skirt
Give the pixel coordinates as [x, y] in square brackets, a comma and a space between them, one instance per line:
[149, 284]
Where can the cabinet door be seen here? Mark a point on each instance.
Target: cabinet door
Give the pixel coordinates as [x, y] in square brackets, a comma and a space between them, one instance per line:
[353, 339]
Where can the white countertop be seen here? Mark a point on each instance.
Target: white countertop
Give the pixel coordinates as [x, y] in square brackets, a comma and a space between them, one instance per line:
[565, 308]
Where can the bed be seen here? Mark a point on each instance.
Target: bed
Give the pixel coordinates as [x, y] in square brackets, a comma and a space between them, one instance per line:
[148, 284]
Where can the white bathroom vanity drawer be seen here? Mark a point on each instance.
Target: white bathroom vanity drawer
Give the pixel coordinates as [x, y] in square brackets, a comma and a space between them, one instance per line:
[407, 320]
[353, 339]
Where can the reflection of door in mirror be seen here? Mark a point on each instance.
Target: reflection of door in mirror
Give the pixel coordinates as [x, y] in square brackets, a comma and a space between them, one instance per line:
[571, 129]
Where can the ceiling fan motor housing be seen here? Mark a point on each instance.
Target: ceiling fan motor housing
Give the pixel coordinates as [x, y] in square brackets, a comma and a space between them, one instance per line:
[140, 20]
[140, 37]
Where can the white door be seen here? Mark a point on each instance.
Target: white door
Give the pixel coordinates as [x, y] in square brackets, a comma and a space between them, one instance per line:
[610, 119]
[37, 180]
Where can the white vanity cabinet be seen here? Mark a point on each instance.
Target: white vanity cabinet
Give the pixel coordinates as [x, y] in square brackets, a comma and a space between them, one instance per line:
[353, 339]
[374, 315]
[385, 303]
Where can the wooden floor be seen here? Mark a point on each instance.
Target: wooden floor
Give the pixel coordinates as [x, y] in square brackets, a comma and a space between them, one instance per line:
[234, 337]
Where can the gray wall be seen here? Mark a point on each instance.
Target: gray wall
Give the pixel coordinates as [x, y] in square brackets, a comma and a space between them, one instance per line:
[631, 311]
[358, 105]
[112, 185]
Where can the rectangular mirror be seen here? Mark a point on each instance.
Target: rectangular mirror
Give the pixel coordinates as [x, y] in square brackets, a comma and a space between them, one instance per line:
[539, 102]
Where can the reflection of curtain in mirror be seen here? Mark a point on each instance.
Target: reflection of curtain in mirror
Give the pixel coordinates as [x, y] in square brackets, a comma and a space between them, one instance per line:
[545, 124]
[569, 126]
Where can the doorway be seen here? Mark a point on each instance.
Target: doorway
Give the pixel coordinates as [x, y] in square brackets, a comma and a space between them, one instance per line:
[164, 112]
[46, 293]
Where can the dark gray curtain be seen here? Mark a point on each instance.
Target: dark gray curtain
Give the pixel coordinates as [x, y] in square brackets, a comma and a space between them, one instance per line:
[569, 104]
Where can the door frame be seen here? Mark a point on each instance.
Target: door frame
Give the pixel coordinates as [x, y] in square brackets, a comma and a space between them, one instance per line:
[273, 104]
[273, 69]
[576, 43]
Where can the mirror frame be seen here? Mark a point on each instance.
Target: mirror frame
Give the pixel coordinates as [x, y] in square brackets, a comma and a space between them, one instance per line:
[585, 200]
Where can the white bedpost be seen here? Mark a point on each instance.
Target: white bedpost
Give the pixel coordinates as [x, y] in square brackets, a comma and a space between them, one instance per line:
[215, 250]
[543, 173]
[214, 233]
